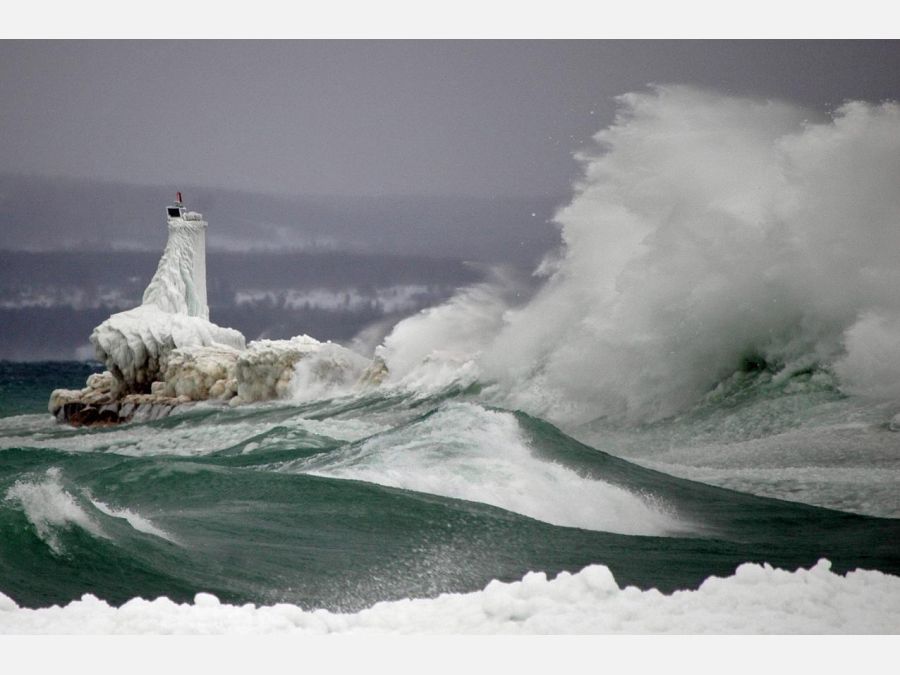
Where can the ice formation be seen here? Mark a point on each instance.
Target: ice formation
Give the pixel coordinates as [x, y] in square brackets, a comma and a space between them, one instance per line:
[270, 369]
[756, 599]
[167, 352]
[200, 373]
[135, 344]
[179, 285]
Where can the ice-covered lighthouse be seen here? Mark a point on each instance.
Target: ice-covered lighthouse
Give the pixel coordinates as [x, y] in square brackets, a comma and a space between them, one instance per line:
[135, 344]
[166, 352]
[179, 285]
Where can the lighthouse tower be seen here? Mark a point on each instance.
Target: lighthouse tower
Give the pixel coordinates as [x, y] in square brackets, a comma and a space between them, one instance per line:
[179, 285]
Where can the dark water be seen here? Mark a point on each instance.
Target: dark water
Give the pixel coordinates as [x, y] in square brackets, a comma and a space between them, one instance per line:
[240, 503]
[25, 387]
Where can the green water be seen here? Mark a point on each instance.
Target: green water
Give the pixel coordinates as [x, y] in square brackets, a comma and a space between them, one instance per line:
[245, 503]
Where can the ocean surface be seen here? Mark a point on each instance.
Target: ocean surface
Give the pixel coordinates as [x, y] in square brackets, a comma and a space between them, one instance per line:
[341, 503]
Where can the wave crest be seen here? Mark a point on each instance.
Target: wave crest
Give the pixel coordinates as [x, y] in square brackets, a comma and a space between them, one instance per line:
[50, 508]
[465, 451]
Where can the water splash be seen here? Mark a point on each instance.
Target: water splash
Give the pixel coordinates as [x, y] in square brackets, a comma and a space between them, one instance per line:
[708, 232]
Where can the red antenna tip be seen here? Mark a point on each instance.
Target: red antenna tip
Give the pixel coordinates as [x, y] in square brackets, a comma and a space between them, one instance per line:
[178, 196]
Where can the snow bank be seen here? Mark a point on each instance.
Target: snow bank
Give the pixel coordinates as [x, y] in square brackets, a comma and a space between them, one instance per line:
[756, 599]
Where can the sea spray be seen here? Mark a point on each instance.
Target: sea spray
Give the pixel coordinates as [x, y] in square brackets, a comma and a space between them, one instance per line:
[708, 232]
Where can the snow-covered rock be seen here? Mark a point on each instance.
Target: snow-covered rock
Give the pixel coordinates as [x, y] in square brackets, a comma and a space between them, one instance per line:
[200, 373]
[96, 404]
[301, 367]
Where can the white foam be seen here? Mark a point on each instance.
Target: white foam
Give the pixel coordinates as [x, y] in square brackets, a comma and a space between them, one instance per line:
[26, 425]
[426, 350]
[340, 429]
[863, 490]
[330, 372]
[834, 453]
[871, 366]
[50, 508]
[467, 452]
[756, 599]
[187, 439]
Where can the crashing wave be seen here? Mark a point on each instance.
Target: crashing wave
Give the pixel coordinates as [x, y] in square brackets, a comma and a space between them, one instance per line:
[50, 508]
[708, 231]
[487, 458]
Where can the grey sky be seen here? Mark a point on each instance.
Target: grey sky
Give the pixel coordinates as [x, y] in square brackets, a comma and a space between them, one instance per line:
[373, 118]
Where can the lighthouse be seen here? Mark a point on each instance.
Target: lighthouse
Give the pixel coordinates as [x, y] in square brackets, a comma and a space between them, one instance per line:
[179, 285]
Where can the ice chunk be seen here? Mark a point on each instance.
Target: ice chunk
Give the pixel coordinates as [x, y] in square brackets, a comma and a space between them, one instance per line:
[296, 368]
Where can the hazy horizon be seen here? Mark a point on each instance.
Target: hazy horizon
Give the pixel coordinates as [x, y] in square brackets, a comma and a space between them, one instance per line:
[415, 150]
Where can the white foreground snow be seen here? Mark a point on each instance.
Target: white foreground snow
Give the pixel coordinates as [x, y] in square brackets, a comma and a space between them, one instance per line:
[756, 599]
[179, 285]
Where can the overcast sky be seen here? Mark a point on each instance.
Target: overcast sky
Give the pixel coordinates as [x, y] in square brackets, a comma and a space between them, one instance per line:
[374, 118]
